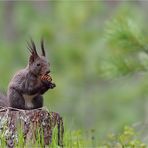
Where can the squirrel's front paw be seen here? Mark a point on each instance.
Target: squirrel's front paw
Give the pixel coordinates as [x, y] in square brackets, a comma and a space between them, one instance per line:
[48, 84]
[52, 85]
[47, 80]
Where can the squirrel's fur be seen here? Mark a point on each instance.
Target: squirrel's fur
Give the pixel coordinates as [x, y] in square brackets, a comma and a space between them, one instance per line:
[26, 88]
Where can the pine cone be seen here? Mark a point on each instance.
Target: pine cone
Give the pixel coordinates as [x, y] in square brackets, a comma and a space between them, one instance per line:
[46, 77]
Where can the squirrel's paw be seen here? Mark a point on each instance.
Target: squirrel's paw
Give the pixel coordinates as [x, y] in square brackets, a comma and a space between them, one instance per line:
[52, 85]
[47, 80]
[48, 84]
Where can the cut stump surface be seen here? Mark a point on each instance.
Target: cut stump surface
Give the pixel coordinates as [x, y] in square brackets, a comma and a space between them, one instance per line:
[32, 124]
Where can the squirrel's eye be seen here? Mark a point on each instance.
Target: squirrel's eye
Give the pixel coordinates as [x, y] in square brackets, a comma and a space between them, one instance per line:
[38, 64]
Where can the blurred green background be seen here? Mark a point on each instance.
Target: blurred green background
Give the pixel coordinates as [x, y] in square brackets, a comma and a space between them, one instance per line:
[98, 55]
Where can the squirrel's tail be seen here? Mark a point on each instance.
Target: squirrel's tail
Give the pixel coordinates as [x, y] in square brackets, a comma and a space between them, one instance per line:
[3, 100]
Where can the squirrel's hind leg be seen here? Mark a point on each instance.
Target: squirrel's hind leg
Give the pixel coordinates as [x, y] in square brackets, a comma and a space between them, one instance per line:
[38, 102]
[15, 99]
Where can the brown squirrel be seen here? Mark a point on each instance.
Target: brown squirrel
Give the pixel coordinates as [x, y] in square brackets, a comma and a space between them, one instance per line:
[26, 88]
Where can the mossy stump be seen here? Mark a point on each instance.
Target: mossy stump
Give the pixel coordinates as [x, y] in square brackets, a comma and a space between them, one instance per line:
[31, 125]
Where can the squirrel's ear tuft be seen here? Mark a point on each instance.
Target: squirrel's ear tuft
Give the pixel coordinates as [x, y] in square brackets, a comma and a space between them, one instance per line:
[32, 48]
[42, 47]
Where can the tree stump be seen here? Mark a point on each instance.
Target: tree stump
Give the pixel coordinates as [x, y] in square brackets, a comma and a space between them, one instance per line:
[30, 125]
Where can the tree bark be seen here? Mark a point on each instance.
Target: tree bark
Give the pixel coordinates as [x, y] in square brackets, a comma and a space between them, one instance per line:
[32, 124]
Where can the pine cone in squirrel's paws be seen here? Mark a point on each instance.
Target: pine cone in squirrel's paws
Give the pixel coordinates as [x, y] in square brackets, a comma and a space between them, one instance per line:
[46, 77]
[48, 81]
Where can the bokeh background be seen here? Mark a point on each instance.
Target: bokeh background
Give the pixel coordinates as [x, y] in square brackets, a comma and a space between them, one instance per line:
[98, 55]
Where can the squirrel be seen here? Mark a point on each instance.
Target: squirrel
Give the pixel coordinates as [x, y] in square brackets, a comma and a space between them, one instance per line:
[26, 88]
